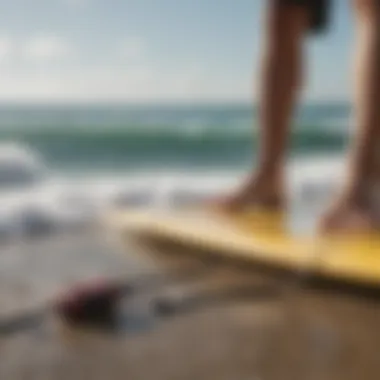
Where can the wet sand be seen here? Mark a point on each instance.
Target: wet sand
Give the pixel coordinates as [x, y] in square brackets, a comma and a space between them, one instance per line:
[299, 335]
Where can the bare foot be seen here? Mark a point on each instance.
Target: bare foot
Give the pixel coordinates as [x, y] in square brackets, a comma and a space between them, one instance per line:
[349, 218]
[376, 201]
[263, 193]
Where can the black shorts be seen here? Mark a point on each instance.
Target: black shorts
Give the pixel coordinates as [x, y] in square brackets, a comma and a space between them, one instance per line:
[319, 12]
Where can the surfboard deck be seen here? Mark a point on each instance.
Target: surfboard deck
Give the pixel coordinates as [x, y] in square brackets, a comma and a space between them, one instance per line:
[261, 238]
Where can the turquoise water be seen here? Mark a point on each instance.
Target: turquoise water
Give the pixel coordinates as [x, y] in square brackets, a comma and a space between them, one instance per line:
[111, 138]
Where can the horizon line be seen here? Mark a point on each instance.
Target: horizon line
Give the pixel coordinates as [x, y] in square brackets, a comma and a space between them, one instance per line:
[158, 102]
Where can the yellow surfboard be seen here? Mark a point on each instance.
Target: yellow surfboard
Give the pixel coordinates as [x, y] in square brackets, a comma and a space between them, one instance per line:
[261, 238]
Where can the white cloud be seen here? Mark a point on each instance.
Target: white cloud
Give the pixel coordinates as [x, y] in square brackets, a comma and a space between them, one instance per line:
[42, 69]
[133, 49]
[77, 3]
[45, 47]
[127, 77]
[116, 83]
[6, 47]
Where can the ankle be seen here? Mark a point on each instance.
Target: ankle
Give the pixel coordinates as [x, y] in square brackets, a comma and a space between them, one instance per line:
[269, 178]
[357, 196]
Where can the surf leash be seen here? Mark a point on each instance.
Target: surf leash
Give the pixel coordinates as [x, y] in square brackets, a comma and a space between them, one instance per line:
[94, 302]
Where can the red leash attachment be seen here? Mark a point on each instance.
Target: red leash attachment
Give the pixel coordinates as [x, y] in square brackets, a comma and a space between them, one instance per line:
[93, 302]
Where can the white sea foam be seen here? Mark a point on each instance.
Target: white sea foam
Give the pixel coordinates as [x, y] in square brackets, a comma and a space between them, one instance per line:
[36, 202]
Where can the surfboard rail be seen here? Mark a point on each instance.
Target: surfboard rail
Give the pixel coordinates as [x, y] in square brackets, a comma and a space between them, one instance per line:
[260, 239]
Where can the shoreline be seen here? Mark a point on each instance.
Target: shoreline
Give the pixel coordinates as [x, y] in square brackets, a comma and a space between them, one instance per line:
[240, 341]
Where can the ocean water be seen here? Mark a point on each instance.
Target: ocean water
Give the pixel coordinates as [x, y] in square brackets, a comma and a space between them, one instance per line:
[63, 165]
[129, 138]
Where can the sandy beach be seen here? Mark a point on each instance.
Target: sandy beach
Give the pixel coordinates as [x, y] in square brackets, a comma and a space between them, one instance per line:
[301, 334]
[127, 105]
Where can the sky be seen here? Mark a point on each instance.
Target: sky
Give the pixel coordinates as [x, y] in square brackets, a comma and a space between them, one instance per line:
[153, 50]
